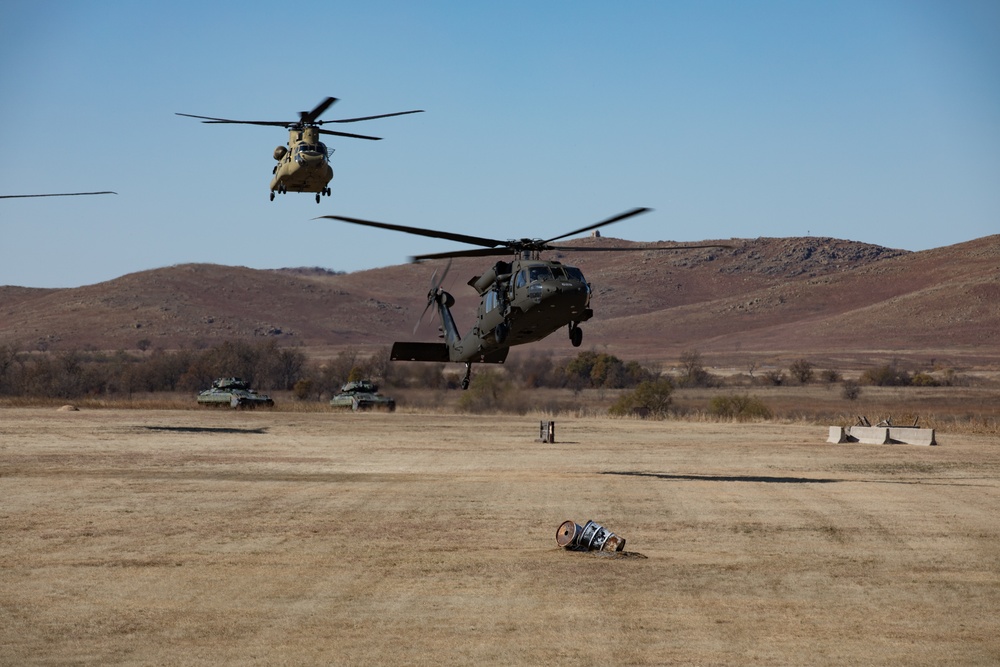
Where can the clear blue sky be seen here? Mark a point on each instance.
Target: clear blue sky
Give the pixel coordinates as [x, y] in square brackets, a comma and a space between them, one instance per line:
[876, 120]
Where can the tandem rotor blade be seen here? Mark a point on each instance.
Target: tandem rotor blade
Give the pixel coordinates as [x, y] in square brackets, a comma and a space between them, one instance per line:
[348, 134]
[617, 218]
[381, 115]
[419, 231]
[209, 119]
[309, 117]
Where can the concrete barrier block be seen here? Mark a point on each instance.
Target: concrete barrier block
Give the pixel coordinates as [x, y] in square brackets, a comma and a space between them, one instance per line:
[870, 435]
[912, 436]
[837, 435]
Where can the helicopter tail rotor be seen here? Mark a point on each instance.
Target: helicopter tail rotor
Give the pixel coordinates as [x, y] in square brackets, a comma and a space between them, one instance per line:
[434, 293]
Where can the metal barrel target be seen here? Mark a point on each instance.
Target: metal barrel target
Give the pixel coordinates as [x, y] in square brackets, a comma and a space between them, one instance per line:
[567, 533]
[591, 537]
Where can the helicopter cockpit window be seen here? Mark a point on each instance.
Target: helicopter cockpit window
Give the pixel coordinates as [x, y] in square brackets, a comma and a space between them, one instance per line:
[522, 279]
[489, 301]
[536, 273]
[574, 273]
[558, 272]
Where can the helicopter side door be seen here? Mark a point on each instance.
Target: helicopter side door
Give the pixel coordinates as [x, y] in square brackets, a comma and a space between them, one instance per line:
[491, 313]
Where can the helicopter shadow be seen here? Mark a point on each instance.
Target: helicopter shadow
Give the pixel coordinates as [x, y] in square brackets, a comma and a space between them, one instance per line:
[765, 479]
[207, 429]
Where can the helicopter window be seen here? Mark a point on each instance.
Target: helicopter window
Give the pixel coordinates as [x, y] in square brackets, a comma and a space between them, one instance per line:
[522, 279]
[489, 301]
[539, 273]
[575, 274]
[558, 272]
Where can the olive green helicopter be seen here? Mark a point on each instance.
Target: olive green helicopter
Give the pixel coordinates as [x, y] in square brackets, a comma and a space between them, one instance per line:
[521, 301]
[304, 163]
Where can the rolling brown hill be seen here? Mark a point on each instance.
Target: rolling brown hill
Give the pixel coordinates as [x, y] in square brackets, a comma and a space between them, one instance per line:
[765, 298]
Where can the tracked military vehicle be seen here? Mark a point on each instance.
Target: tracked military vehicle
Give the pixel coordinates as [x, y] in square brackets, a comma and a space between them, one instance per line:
[233, 393]
[362, 395]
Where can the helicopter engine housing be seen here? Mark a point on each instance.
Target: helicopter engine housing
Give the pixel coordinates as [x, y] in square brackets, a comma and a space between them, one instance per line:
[484, 281]
[280, 152]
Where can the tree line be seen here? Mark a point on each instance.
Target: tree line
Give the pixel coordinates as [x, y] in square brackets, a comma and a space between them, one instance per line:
[270, 367]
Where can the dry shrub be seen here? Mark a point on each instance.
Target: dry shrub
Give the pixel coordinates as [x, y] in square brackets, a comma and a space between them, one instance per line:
[740, 407]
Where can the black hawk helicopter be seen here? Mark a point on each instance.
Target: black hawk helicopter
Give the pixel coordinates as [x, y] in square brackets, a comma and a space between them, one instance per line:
[521, 301]
[304, 163]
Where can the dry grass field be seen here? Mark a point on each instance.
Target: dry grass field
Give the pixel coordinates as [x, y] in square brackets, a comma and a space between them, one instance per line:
[182, 537]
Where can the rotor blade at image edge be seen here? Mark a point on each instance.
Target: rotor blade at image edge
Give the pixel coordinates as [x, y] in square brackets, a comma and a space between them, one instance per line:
[419, 231]
[382, 115]
[61, 194]
[617, 218]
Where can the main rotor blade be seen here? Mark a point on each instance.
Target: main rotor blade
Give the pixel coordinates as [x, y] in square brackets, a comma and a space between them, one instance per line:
[480, 252]
[617, 218]
[62, 194]
[348, 134]
[381, 115]
[434, 234]
[308, 117]
[444, 274]
[209, 119]
[661, 247]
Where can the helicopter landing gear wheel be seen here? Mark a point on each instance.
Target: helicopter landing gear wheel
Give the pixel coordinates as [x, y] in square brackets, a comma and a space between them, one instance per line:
[272, 195]
[575, 335]
[317, 197]
[468, 375]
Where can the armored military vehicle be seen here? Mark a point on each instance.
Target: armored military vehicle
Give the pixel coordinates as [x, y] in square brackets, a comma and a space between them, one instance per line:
[233, 392]
[362, 395]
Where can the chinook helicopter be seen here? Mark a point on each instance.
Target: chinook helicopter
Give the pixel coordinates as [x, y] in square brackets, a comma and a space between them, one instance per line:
[521, 301]
[304, 163]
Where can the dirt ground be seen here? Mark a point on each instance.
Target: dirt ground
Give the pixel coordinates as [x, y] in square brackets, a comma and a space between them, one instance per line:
[269, 538]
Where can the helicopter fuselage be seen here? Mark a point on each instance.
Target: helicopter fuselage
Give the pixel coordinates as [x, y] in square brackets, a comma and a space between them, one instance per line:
[304, 165]
[521, 302]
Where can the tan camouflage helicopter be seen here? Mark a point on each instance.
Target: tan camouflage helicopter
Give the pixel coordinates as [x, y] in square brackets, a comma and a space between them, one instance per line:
[521, 301]
[304, 164]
